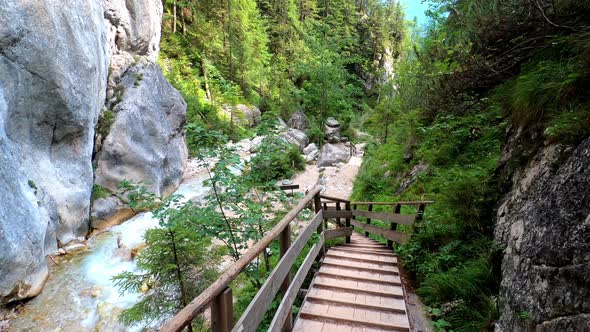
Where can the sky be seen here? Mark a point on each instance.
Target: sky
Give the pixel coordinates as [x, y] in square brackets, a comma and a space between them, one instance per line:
[415, 8]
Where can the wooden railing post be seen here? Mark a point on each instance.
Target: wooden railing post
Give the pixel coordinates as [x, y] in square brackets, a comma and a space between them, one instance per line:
[420, 215]
[348, 221]
[369, 219]
[222, 312]
[318, 207]
[325, 219]
[338, 220]
[393, 227]
[285, 240]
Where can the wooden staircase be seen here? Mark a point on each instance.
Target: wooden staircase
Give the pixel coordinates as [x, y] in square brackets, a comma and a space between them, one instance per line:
[357, 288]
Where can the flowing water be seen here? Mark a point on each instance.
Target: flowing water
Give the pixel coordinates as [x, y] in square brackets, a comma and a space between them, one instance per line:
[80, 294]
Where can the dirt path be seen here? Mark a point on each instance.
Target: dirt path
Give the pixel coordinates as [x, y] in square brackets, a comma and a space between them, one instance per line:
[337, 181]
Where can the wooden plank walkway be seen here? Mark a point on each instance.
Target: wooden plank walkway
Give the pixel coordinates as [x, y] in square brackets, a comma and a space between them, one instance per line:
[357, 289]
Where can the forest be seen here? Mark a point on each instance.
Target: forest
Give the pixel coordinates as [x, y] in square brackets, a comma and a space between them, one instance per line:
[475, 75]
[152, 139]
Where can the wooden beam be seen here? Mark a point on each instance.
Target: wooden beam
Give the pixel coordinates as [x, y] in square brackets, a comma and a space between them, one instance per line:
[386, 216]
[395, 203]
[334, 199]
[222, 312]
[287, 302]
[369, 219]
[398, 237]
[285, 243]
[338, 232]
[328, 214]
[347, 224]
[254, 314]
[196, 306]
[393, 226]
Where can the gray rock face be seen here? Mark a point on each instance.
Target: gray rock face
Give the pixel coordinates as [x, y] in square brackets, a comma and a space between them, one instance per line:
[296, 137]
[331, 122]
[332, 154]
[299, 121]
[145, 142]
[545, 224]
[53, 68]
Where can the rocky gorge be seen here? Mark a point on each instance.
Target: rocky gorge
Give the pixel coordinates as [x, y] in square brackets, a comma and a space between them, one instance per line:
[81, 102]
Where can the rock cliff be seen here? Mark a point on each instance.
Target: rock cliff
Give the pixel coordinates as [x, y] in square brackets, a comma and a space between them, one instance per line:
[57, 64]
[544, 222]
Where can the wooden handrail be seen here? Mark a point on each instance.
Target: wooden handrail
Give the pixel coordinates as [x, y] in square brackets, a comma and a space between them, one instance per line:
[198, 305]
[394, 203]
[334, 199]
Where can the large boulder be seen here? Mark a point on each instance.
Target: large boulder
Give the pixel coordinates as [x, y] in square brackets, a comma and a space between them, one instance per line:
[544, 223]
[53, 72]
[242, 115]
[332, 154]
[145, 142]
[296, 137]
[299, 121]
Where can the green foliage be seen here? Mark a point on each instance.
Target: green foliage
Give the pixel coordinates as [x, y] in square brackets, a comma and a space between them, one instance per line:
[105, 121]
[140, 198]
[99, 191]
[178, 262]
[32, 184]
[275, 159]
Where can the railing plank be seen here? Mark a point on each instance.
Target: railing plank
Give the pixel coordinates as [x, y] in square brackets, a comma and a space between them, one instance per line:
[287, 303]
[386, 233]
[334, 199]
[336, 214]
[395, 203]
[386, 216]
[254, 314]
[338, 232]
[196, 306]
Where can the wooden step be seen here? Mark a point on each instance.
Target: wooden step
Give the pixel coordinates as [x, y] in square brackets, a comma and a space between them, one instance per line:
[361, 251]
[371, 306]
[359, 263]
[373, 270]
[361, 279]
[357, 297]
[353, 273]
[361, 286]
[393, 293]
[358, 317]
[362, 256]
[359, 246]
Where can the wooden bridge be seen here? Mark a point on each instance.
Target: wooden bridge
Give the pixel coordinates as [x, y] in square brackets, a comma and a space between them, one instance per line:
[356, 288]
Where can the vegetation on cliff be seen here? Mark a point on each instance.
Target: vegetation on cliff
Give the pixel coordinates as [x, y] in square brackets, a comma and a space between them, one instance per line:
[480, 70]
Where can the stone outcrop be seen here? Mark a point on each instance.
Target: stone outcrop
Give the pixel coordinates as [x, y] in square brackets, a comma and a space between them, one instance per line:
[332, 130]
[296, 137]
[332, 154]
[145, 142]
[299, 121]
[53, 72]
[544, 222]
[242, 115]
[140, 132]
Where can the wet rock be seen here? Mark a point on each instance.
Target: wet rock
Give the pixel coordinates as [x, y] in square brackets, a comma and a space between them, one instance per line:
[75, 247]
[332, 154]
[299, 121]
[296, 137]
[53, 72]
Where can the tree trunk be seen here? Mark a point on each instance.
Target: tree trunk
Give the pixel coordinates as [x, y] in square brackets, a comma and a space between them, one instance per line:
[204, 72]
[179, 276]
[174, 14]
[183, 22]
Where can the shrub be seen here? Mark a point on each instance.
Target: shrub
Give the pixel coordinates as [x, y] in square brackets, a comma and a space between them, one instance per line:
[276, 159]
